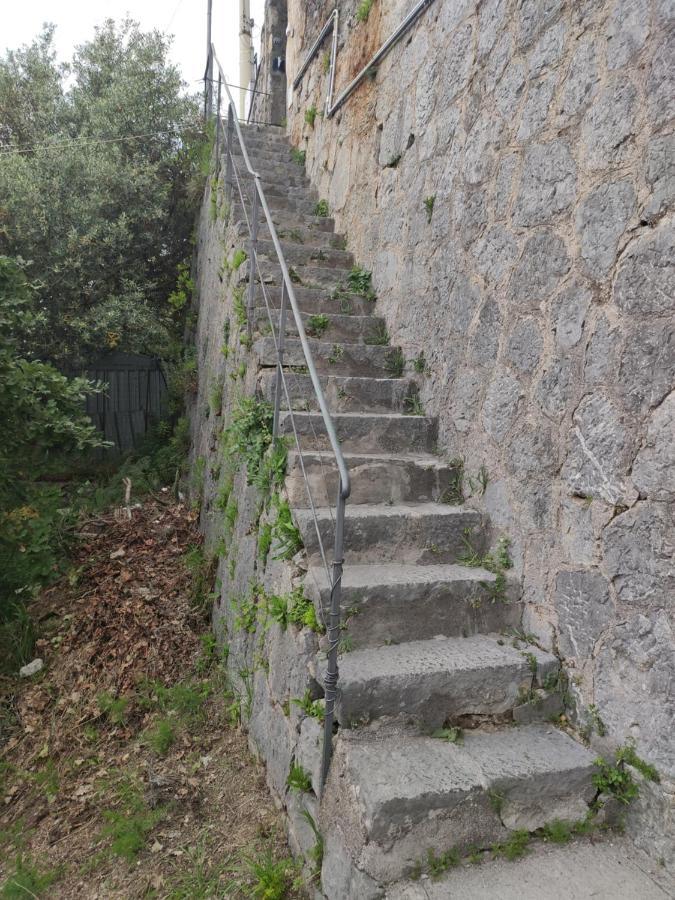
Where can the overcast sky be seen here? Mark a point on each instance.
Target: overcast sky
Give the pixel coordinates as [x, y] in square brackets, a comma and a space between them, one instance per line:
[186, 19]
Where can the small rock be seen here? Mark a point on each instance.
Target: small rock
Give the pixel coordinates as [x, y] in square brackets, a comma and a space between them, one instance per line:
[118, 554]
[32, 668]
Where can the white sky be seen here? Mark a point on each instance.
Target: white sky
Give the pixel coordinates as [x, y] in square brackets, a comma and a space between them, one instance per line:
[186, 19]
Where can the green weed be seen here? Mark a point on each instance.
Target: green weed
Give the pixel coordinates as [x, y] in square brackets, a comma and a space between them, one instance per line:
[310, 116]
[298, 779]
[429, 206]
[396, 363]
[298, 156]
[313, 708]
[316, 325]
[363, 10]
[321, 209]
[27, 880]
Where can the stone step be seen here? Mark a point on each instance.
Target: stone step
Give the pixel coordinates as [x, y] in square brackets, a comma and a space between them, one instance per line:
[397, 603]
[425, 533]
[343, 393]
[308, 273]
[330, 358]
[435, 681]
[404, 795]
[317, 300]
[284, 203]
[287, 173]
[375, 478]
[301, 256]
[303, 236]
[285, 218]
[363, 432]
[332, 327]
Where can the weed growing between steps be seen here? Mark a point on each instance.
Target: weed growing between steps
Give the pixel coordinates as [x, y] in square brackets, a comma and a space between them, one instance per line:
[498, 562]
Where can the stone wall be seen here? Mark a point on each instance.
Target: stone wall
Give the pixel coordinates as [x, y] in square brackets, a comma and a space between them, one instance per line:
[507, 174]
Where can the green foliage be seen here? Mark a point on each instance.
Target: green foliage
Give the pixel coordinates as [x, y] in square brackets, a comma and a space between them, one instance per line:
[27, 880]
[181, 295]
[420, 364]
[514, 846]
[272, 470]
[239, 307]
[313, 708]
[161, 737]
[438, 864]
[238, 259]
[310, 116]
[453, 734]
[316, 853]
[429, 206]
[129, 831]
[100, 177]
[249, 434]
[363, 10]
[412, 405]
[557, 831]
[627, 754]
[115, 709]
[613, 779]
[321, 209]
[379, 337]
[264, 541]
[298, 779]
[316, 325]
[284, 532]
[454, 493]
[273, 878]
[360, 282]
[301, 611]
[396, 363]
[298, 156]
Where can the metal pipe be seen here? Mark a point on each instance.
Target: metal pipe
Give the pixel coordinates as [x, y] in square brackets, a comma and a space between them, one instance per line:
[384, 49]
[315, 46]
[208, 86]
[220, 83]
[280, 363]
[332, 671]
[345, 482]
[230, 130]
[252, 257]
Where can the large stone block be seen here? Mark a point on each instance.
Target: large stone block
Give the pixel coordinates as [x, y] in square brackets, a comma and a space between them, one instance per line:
[547, 184]
[534, 16]
[536, 107]
[580, 83]
[653, 471]
[647, 369]
[524, 345]
[600, 451]
[543, 263]
[495, 253]
[609, 125]
[548, 49]
[601, 220]
[504, 395]
[634, 686]
[485, 339]
[584, 610]
[639, 548]
[627, 31]
[603, 353]
[660, 175]
[569, 310]
[557, 386]
[645, 283]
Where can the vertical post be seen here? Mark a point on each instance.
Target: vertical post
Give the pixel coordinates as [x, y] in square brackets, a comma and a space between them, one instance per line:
[331, 677]
[230, 132]
[280, 362]
[208, 87]
[253, 246]
[220, 84]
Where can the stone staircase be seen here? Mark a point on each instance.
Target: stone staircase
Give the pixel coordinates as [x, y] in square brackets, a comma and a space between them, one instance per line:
[429, 644]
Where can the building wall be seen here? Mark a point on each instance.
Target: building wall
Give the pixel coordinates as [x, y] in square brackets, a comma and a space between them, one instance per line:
[269, 105]
[540, 289]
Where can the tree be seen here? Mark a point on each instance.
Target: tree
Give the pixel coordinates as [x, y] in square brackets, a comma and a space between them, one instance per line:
[98, 189]
[42, 418]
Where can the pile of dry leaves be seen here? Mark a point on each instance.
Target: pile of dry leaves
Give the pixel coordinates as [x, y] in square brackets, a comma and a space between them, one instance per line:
[120, 775]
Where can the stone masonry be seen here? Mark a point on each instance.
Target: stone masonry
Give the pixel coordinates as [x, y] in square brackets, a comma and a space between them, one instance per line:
[538, 281]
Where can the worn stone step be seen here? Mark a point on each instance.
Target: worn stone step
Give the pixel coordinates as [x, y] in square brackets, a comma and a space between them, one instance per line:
[301, 256]
[279, 200]
[350, 329]
[375, 478]
[284, 218]
[424, 533]
[279, 173]
[363, 432]
[310, 238]
[316, 300]
[401, 796]
[309, 273]
[343, 393]
[330, 358]
[438, 680]
[397, 603]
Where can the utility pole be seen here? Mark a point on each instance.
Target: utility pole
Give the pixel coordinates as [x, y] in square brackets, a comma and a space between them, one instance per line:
[245, 49]
[208, 78]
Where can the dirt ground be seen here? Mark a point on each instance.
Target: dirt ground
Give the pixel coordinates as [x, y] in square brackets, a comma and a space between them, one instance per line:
[123, 771]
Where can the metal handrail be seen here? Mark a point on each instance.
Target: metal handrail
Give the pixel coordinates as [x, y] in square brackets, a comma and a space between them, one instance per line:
[344, 488]
[332, 22]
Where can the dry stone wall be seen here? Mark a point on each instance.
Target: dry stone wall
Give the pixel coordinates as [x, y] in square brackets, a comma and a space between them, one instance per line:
[507, 173]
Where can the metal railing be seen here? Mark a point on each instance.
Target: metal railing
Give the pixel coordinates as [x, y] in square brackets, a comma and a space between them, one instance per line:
[331, 107]
[258, 202]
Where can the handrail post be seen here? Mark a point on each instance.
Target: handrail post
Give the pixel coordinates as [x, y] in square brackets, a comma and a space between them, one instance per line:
[331, 677]
[220, 84]
[253, 246]
[280, 362]
[230, 131]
